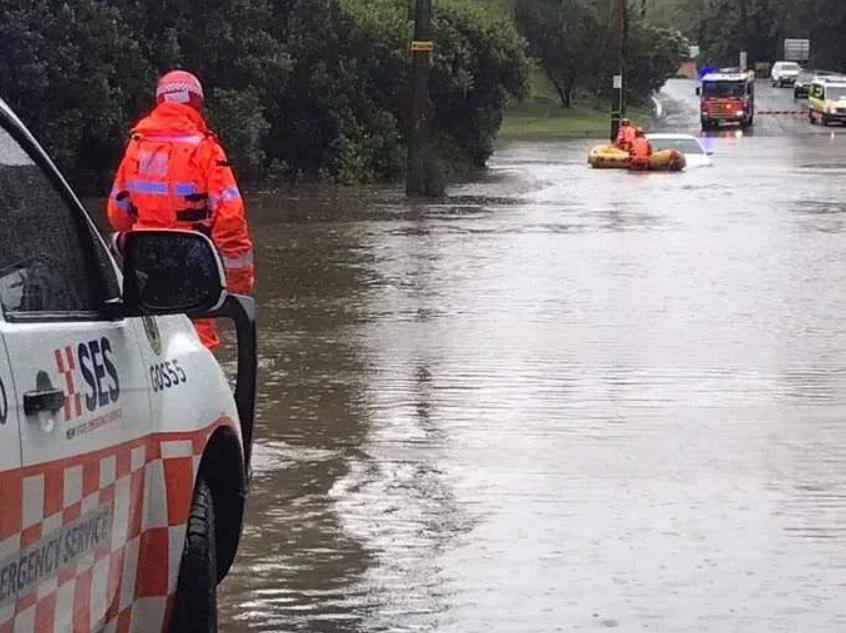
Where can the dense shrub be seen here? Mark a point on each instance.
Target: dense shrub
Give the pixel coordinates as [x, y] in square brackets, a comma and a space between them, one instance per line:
[314, 88]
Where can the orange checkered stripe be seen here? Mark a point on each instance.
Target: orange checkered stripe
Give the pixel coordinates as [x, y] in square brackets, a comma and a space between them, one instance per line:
[108, 529]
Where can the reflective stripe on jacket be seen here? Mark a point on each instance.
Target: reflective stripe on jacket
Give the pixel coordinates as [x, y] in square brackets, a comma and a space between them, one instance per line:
[174, 174]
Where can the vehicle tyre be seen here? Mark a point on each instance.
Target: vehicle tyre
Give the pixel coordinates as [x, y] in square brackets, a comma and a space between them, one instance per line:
[195, 603]
[825, 120]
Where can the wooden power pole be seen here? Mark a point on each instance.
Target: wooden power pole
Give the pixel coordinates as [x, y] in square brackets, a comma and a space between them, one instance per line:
[618, 110]
[421, 180]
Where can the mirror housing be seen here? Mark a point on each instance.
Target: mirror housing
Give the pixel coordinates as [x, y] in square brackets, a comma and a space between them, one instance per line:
[698, 91]
[171, 272]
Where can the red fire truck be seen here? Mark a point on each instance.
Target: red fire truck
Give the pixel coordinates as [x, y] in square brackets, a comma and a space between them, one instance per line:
[727, 97]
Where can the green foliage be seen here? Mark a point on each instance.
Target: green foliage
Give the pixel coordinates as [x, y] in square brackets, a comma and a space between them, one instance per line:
[72, 71]
[339, 111]
[574, 44]
[315, 88]
[238, 117]
[479, 64]
[723, 28]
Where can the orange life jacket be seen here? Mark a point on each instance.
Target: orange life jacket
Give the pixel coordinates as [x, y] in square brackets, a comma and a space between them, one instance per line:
[641, 149]
[625, 137]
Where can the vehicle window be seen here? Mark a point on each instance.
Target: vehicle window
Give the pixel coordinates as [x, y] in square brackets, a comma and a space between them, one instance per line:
[836, 92]
[790, 66]
[684, 145]
[46, 257]
[723, 89]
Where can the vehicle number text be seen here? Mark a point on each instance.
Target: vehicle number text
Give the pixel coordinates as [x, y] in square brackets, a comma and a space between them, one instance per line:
[167, 375]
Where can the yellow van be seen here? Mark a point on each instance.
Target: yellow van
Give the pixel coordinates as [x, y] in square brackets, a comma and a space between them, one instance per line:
[827, 100]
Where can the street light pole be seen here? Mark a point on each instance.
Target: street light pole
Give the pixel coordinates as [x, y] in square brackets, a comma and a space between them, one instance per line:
[618, 110]
[418, 182]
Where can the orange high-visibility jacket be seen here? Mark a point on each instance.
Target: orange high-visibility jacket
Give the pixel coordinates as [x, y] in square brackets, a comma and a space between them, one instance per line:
[641, 149]
[174, 174]
[625, 137]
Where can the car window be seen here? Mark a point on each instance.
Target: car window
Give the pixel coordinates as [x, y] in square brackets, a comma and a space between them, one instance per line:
[47, 259]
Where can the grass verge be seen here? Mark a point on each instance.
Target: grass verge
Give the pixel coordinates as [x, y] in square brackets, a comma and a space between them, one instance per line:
[541, 118]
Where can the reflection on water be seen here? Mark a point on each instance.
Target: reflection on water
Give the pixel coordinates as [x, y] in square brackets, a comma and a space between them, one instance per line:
[559, 400]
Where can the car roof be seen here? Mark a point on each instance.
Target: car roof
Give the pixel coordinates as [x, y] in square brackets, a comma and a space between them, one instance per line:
[673, 136]
[726, 77]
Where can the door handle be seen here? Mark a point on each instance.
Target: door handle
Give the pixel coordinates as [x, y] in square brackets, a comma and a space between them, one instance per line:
[51, 400]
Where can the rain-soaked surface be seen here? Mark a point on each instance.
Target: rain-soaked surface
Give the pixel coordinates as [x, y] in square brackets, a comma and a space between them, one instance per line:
[560, 399]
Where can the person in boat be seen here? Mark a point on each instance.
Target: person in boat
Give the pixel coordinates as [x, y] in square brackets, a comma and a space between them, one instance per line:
[175, 175]
[626, 135]
[640, 151]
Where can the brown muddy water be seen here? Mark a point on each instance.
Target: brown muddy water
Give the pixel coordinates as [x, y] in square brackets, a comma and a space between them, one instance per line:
[557, 400]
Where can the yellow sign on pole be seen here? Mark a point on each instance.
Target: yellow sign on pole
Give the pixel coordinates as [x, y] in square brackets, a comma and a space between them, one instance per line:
[419, 46]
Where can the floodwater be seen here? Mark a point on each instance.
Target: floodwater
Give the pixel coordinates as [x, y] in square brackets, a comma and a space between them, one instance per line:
[559, 399]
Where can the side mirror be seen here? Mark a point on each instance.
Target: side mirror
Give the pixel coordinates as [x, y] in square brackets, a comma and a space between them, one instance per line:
[698, 91]
[171, 272]
[180, 272]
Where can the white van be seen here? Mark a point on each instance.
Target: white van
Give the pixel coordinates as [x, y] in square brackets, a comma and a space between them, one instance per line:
[785, 73]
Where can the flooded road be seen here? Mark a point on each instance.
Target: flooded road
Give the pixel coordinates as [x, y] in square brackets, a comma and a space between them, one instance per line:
[560, 399]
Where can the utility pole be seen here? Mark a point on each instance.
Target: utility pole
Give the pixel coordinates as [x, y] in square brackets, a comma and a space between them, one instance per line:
[421, 180]
[618, 110]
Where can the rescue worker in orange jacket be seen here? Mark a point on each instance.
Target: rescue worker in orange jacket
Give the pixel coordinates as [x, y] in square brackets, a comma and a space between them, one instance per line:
[626, 135]
[640, 151]
[175, 175]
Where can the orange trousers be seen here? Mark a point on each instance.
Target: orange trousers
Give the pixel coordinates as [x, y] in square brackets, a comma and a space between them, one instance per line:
[207, 331]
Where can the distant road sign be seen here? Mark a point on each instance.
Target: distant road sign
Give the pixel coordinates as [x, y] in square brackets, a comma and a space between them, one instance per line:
[419, 46]
[796, 50]
[694, 52]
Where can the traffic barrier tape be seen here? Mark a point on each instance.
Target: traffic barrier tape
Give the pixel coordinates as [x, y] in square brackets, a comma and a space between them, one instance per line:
[784, 112]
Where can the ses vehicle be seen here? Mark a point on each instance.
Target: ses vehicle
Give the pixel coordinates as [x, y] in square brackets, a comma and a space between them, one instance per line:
[124, 457]
[694, 152]
[727, 97]
[827, 100]
[785, 74]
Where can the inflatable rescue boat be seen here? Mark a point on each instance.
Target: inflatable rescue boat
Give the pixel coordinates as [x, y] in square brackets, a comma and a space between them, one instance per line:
[611, 157]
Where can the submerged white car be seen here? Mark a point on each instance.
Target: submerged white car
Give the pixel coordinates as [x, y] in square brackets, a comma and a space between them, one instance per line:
[690, 146]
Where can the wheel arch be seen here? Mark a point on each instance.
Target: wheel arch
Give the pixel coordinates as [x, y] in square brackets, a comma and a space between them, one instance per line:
[222, 467]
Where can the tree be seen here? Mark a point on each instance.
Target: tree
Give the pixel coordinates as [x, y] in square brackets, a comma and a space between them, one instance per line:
[575, 46]
[568, 37]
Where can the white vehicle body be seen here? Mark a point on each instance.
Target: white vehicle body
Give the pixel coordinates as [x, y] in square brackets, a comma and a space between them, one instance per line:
[694, 152]
[95, 490]
[785, 73]
[827, 100]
